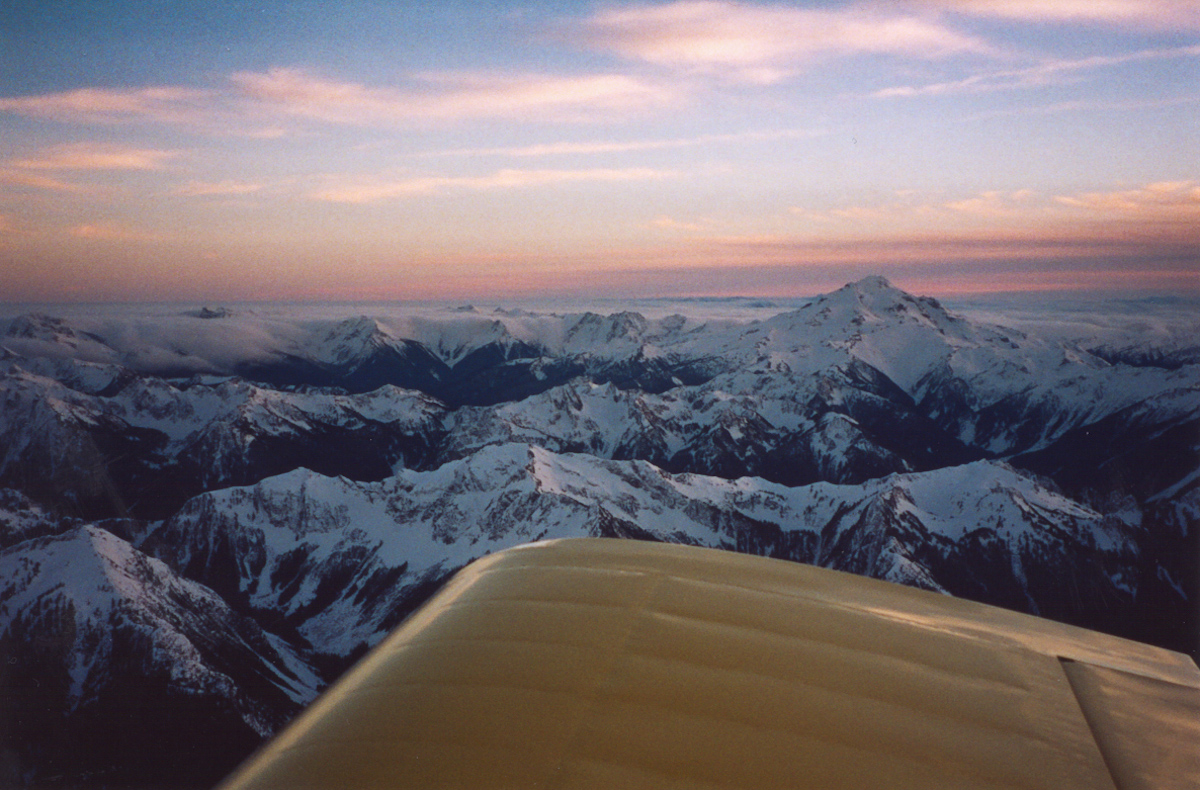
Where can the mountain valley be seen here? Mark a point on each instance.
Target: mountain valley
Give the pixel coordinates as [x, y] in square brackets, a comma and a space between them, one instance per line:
[212, 513]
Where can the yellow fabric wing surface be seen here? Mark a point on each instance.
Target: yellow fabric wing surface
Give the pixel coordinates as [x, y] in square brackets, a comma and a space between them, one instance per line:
[620, 664]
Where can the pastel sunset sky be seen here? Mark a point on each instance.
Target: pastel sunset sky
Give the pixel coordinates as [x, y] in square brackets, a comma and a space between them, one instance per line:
[379, 149]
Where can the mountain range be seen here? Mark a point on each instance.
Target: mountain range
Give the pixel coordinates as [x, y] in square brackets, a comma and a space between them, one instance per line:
[210, 514]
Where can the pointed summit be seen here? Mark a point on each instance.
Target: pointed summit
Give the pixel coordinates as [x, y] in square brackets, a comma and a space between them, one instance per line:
[93, 628]
[350, 341]
[875, 293]
[874, 297]
[872, 284]
[870, 299]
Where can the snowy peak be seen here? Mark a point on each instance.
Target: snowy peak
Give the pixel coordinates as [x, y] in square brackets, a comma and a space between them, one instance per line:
[449, 339]
[898, 334]
[38, 326]
[878, 291]
[36, 334]
[308, 476]
[921, 528]
[870, 293]
[859, 309]
[457, 341]
[593, 330]
[111, 588]
[95, 634]
[874, 300]
[872, 283]
[991, 495]
[353, 340]
[490, 470]
[619, 335]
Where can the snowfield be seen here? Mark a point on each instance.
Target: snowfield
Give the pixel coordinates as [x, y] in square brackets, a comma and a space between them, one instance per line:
[224, 507]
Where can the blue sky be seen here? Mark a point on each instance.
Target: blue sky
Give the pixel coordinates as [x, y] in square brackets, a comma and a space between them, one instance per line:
[390, 150]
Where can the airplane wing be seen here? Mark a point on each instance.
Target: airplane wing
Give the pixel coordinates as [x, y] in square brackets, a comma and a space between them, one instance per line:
[623, 664]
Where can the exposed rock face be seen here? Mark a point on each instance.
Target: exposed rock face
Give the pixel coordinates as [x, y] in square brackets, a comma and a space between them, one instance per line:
[307, 546]
[108, 650]
[214, 518]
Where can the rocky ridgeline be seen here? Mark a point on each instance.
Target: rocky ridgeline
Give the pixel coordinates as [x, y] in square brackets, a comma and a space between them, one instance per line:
[214, 523]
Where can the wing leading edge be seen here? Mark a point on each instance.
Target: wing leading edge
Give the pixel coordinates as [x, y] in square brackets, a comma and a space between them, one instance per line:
[612, 663]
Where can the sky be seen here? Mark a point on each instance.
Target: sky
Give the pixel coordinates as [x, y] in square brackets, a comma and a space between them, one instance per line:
[381, 149]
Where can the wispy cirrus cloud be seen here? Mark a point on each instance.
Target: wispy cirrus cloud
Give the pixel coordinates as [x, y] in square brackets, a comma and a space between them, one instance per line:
[1084, 105]
[1141, 237]
[226, 188]
[1153, 205]
[447, 96]
[34, 169]
[994, 203]
[764, 43]
[668, 223]
[910, 208]
[371, 190]
[627, 146]
[106, 231]
[1164, 201]
[1046, 72]
[919, 247]
[25, 178]
[95, 156]
[99, 105]
[253, 104]
[1162, 14]
[1069, 257]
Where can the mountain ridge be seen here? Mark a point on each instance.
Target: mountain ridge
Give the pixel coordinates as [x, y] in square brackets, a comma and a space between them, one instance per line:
[301, 519]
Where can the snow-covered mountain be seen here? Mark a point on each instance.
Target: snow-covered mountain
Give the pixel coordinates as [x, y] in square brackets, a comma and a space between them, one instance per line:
[96, 634]
[215, 511]
[147, 444]
[337, 558]
[845, 424]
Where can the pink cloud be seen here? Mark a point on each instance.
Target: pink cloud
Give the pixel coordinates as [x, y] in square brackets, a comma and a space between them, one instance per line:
[764, 43]
[92, 156]
[1167, 201]
[227, 187]
[1164, 14]
[994, 204]
[671, 224]
[910, 209]
[91, 105]
[624, 146]
[373, 189]
[38, 181]
[1047, 72]
[440, 97]
[253, 102]
[1153, 224]
[1026, 245]
[1158, 205]
[104, 231]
